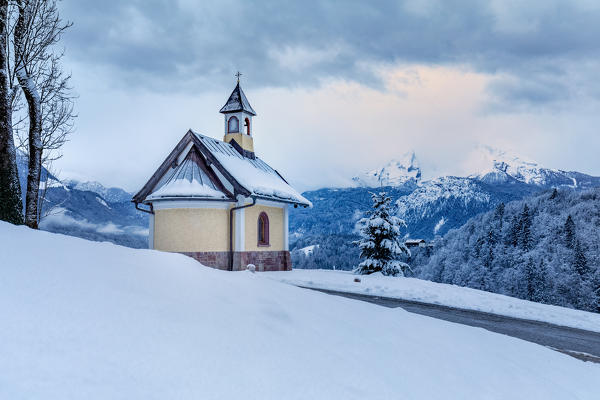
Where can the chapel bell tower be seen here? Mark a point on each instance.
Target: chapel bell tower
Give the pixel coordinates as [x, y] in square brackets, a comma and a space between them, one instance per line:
[238, 115]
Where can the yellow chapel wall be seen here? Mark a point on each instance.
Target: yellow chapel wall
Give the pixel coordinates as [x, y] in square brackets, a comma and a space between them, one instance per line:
[207, 229]
[276, 228]
[191, 229]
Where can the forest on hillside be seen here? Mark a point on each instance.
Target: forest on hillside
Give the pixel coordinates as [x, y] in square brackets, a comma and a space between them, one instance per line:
[545, 248]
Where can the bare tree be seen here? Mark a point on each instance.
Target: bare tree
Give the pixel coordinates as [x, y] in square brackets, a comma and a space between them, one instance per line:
[37, 30]
[10, 189]
[46, 207]
[57, 105]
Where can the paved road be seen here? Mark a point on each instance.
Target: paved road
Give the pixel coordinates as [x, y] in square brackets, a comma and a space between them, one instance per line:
[566, 340]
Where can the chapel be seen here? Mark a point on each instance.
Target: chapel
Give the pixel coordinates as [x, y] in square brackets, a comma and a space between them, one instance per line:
[218, 202]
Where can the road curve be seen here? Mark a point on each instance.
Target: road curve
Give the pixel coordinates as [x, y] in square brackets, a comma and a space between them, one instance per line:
[578, 343]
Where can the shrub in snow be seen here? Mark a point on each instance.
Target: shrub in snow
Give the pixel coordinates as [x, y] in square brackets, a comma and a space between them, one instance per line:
[380, 245]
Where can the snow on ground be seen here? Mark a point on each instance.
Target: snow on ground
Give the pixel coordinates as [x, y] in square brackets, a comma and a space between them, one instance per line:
[308, 250]
[439, 293]
[97, 321]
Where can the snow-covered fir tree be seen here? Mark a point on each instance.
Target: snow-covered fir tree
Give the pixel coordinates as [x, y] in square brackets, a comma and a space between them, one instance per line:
[381, 247]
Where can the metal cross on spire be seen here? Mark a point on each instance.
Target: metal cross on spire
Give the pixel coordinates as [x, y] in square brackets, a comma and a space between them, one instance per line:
[238, 74]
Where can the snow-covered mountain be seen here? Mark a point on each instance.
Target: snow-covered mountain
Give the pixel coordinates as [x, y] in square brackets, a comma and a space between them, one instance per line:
[111, 194]
[445, 203]
[88, 210]
[441, 204]
[430, 208]
[395, 173]
[498, 166]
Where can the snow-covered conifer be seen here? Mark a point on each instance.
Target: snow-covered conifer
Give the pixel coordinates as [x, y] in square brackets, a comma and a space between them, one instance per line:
[570, 233]
[513, 233]
[380, 245]
[525, 234]
[580, 261]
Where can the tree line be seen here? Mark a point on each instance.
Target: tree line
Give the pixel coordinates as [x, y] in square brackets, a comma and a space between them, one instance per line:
[545, 249]
[36, 101]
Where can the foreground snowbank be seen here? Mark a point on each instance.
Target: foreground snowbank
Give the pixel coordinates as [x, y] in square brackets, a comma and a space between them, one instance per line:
[85, 320]
[439, 293]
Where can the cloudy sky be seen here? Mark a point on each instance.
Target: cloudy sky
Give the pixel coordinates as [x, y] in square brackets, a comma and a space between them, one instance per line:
[340, 87]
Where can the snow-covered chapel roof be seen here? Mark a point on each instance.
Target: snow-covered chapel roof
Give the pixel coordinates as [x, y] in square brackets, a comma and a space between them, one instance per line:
[253, 174]
[237, 102]
[188, 180]
[217, 171]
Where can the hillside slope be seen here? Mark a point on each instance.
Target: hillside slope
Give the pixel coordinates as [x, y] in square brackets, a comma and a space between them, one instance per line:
[96, 321]
[87, 209]
[544, 248]
[423, 291]
[431, 208]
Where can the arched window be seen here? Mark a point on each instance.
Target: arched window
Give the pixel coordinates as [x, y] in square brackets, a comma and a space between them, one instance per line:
[263, 229]
[233, 125]
[247, 124]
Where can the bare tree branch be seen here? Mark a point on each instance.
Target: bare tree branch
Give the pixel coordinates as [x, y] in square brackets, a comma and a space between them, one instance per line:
[48, 95]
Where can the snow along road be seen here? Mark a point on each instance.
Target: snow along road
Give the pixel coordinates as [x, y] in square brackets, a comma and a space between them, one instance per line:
[578, 343]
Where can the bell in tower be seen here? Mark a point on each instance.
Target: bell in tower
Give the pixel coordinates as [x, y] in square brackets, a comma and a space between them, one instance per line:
[238, 121]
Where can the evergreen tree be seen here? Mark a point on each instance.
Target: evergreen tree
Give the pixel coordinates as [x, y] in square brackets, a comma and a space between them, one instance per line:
[380, 245]
[580, 261]
[569, 230]
[596, 288]
[499, 216]
[530, 279]
[525, 229]
[540, 283]
[512, 238]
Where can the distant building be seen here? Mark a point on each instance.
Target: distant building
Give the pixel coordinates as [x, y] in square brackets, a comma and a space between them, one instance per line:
[217, 202]
[410, 243]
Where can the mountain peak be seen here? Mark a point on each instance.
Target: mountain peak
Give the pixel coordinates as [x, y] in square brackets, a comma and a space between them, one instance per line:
[498, 166]
[396, 172]
[111, 194]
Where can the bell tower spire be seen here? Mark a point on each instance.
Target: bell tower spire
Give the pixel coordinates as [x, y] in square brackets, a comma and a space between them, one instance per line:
[238, 115]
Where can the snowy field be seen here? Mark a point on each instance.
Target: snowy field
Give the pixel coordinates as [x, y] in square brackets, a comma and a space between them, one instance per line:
[439, 293]
[86, 320]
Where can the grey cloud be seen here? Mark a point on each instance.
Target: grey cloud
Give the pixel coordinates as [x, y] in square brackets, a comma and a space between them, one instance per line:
[188, 45]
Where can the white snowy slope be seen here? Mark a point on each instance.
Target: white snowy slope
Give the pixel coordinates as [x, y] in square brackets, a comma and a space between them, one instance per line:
[498, 166]
[435, 191]
[112, 194]
[87, 320]
[439, 293]
[308, 250]
[395, 173]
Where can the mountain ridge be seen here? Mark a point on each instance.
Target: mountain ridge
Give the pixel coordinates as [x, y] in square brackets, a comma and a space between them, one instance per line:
[430, 207]
[397, 172]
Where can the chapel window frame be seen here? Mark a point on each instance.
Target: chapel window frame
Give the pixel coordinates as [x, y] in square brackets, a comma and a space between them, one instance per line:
[263, 230]
[230, 122]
